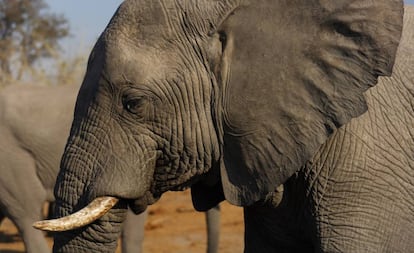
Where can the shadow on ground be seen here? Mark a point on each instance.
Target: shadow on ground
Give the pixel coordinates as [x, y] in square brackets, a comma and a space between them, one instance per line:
[7, 238]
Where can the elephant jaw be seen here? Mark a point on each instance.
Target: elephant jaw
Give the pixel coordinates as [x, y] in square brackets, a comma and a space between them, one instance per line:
[139, 205]
[95, 210]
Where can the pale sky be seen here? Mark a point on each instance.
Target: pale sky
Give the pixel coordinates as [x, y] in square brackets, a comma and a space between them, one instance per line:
[87, 19]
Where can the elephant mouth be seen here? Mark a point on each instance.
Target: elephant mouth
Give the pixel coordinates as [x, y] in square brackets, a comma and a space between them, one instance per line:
[140, 205]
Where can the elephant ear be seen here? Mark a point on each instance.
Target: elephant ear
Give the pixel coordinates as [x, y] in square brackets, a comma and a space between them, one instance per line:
[291, 73]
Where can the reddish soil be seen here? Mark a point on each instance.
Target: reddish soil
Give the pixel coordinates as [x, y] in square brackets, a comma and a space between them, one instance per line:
[172, 226]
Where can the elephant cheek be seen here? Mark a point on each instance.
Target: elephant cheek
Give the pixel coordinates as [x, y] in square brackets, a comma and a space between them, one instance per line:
[126, 176]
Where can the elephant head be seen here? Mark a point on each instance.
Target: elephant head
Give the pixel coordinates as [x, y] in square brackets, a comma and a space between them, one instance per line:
[230, 97]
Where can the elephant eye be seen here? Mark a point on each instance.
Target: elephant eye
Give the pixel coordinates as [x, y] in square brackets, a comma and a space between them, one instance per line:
[134, 105]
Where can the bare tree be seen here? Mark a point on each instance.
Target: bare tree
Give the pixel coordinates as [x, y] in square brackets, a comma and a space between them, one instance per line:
[28, 32]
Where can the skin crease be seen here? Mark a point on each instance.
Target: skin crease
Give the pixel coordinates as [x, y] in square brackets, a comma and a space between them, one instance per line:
[34, 124]
[163, 107]
[355, 193]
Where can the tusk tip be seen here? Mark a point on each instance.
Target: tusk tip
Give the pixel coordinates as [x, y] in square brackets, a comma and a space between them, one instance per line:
[42, 225]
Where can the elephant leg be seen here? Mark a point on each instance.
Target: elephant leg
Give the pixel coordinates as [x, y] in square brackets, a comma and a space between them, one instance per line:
[132, 235]
[34, 240]
[2, 216]
[22, 196]
[213, 229]
[51, 210]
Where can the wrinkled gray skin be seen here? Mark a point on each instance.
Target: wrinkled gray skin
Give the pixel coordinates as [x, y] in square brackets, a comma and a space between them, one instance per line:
[356, 193]
[233, 98]
[34, 125]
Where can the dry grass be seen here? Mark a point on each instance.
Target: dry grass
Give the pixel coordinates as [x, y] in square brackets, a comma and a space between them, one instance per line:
[57, 70]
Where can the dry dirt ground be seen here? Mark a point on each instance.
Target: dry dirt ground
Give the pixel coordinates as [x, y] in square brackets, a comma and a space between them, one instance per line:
[172, 226]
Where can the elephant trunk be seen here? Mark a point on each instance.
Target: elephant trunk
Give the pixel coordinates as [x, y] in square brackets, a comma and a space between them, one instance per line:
[75, 193]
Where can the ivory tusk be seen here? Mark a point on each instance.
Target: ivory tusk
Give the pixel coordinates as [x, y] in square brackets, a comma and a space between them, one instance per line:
[95, 210]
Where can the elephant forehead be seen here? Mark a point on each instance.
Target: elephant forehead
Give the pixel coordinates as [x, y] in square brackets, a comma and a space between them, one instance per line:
[144, 21]
[137, 64]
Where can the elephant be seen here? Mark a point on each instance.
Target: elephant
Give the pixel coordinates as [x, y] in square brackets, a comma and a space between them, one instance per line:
[244, 101]
[34, 125]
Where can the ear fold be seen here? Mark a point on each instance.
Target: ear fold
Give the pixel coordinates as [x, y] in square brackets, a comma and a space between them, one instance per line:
[292, 72]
